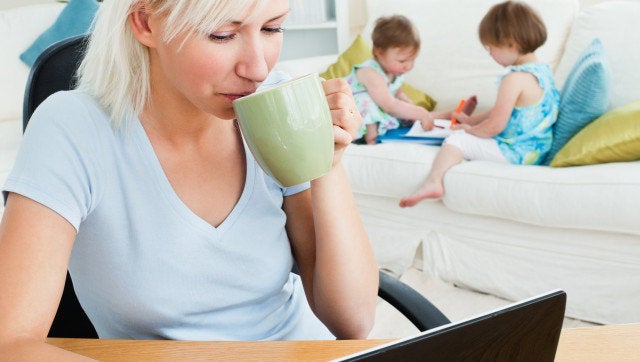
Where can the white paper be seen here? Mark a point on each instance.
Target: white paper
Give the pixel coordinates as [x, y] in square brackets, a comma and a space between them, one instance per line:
[440, 130]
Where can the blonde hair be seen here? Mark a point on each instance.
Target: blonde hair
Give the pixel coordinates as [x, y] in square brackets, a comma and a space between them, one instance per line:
[115, 69]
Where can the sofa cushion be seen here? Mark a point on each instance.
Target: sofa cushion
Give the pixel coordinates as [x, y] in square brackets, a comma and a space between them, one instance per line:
[452, 63]
[616, 24]
[75, 19]
[358, 52]
[601, 197]
[19, 28]
[584, 97]
[613, 137]
[585, 197]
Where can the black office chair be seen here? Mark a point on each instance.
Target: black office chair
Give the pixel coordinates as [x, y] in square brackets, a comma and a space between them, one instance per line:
[53, 71]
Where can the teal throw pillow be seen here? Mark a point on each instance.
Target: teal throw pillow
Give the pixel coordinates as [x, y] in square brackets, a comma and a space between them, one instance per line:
[584, 96]
[75, 19]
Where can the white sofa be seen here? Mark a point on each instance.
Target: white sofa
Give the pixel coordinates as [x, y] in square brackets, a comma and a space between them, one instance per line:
[20, 24]
[512, 231]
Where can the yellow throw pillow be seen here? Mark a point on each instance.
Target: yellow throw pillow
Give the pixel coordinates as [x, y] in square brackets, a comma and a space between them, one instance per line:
[358, 52]
[418, 98]
[612, 137]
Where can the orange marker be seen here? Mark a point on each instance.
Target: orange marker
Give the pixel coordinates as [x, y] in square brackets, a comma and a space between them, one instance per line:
[458, 110]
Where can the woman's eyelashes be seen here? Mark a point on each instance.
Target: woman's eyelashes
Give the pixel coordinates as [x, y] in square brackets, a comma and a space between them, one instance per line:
[273, 29]
[227, 36]
[222, 37]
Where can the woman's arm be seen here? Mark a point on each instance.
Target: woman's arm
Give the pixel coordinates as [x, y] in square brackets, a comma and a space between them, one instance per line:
[35, 245]
[377, 88]
[335, 258]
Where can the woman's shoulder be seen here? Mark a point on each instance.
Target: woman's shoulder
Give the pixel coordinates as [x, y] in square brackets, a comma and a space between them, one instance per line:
[69, 110]
[67, 103]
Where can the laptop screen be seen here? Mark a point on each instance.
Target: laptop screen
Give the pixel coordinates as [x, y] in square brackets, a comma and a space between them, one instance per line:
[527, 330]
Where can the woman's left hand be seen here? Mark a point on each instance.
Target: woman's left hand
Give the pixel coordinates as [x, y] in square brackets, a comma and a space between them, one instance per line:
[344, 113]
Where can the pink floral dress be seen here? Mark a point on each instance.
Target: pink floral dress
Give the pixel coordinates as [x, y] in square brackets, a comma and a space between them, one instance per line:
[371, 113]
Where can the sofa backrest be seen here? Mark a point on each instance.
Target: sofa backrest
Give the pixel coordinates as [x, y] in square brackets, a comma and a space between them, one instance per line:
[452, 63]
[617, 26]
[19, 27]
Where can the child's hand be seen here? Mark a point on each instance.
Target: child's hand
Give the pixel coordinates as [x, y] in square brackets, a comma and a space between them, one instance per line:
[460, 117]
[427, 122]
[344, 113]
[462, 126]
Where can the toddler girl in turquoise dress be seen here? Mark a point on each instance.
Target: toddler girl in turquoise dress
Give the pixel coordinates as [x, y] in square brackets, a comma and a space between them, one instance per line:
[518, 129]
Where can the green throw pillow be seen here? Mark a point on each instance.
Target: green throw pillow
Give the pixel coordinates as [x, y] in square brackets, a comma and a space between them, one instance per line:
[358, 52]
[612, 137]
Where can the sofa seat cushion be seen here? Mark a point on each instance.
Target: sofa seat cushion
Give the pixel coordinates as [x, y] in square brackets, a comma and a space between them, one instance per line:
[591, 197]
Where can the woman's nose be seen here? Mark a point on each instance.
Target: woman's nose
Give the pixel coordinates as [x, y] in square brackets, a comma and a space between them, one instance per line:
[252, 63]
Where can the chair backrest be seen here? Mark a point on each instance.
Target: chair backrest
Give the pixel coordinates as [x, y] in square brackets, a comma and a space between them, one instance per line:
[54, 71]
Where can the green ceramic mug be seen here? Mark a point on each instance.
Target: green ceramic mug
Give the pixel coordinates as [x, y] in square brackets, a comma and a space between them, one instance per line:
[289, 130]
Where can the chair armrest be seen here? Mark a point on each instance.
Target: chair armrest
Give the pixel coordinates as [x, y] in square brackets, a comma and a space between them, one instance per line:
[413, 305]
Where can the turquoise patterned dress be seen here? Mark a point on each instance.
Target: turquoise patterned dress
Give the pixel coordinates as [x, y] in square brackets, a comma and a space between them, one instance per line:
[369, 110]
[527, 137]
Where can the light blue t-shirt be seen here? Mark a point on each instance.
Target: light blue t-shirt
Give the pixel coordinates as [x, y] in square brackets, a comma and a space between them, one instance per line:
[143, 265]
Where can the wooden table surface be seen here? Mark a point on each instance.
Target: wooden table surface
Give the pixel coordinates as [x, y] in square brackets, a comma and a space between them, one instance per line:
[602, 343]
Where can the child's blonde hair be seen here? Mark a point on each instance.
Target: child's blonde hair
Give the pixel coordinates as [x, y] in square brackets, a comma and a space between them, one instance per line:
[395, 31]
[513, 21]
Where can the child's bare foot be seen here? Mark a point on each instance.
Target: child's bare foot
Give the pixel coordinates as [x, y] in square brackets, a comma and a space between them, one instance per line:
[430, 190]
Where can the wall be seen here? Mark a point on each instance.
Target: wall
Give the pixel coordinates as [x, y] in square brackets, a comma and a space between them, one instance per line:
[8, 4]
[358, 13]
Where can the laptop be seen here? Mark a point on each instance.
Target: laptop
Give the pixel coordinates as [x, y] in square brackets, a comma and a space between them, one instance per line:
[527, 330]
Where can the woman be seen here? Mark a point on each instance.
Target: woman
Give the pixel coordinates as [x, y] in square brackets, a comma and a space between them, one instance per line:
[140, 184]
